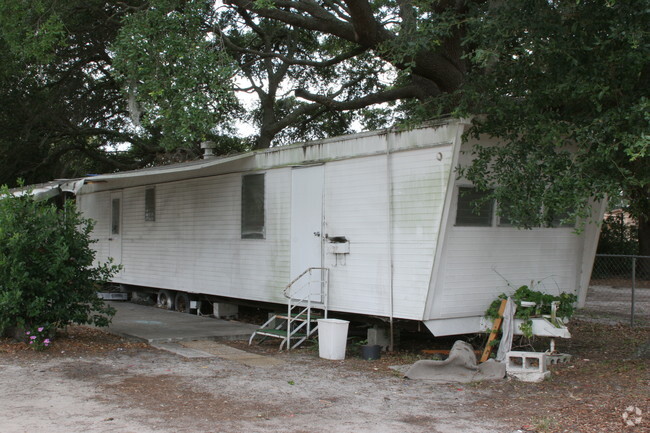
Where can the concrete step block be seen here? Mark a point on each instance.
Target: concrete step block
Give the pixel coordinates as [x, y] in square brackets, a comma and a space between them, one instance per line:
[558, 358]
[527, 366]
[528, 361]
[530, 376]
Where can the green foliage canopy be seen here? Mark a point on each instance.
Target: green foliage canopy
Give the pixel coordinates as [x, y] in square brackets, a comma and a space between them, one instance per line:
[65, 110]
[174, 72]
[62, 112]
[565, 86]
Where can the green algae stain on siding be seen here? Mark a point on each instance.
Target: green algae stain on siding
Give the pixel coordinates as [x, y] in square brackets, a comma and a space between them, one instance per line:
[418, 192]
[420, 180]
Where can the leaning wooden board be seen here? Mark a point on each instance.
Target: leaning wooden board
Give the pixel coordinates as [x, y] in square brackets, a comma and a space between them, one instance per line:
[495, 331]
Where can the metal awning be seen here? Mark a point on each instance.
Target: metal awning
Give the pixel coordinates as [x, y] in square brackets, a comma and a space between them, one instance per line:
[144, 176]
[167, 173]
[47, 190]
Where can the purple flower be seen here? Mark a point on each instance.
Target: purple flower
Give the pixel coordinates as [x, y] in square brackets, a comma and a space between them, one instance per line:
[31, 342]
[46, 341]
[40, 329]
[33, 337]
[28, 332]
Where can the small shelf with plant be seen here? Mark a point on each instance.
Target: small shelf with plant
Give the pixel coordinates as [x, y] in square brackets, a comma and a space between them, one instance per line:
[532, 303]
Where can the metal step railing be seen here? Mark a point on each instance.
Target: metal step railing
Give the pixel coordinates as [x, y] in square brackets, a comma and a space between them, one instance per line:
[304, 293]
[307, 291]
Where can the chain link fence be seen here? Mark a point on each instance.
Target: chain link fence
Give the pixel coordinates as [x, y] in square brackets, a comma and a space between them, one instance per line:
[619, 290]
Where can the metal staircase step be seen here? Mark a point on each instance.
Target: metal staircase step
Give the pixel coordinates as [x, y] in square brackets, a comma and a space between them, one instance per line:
[301, 317]
[277, 333]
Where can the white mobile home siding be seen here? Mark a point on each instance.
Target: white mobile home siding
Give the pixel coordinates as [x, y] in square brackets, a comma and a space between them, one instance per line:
[392, 195]
[97, 207]
[476, 264]
[391, 243]
[420, 179]
[383, 191]
[356, 206]
[194, 245]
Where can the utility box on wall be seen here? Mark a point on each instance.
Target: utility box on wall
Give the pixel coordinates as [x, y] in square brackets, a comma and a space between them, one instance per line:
[339, 248]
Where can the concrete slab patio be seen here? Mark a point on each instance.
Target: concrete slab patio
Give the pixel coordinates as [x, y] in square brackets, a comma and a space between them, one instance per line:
[155, 325]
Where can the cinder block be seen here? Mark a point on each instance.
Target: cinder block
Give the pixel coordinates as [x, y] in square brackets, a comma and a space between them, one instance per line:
[559, 358]
[377, 335]
[225, 311]
[275, 322]
[527, 366]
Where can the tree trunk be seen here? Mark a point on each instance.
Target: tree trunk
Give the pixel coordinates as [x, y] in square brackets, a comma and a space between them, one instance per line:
[263, 141]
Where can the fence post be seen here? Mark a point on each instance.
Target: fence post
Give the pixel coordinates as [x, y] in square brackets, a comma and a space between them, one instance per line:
[633, 287]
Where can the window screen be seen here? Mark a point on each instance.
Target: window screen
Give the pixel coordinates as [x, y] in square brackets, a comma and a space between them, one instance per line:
[115, 216]
[150, 204]
[252, 206]
[469, 213]
[504, 218]
[559, 220]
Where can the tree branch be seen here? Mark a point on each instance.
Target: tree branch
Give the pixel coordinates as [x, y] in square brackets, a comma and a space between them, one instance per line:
[440, 66]
[407, 13]
[339, 9]
[320, 19]
[366, 29]
[414, 90]
[293, 61]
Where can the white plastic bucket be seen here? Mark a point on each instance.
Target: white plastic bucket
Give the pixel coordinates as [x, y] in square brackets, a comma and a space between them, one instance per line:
[332, 338]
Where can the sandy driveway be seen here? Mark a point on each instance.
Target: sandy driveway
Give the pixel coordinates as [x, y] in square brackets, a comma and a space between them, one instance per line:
[139, 389]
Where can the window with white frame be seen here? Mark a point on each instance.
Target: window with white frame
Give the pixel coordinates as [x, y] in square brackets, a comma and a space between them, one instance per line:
[504, 217]
[150, 204]
[561, 220]
[252, 207]
[115, 216]
[472, 209]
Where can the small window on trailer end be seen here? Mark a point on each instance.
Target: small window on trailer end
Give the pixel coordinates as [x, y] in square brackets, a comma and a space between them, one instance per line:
[503, 220]
[561, 220]
[467, 212]
[150, 204]
[115, 216]
[252, 207]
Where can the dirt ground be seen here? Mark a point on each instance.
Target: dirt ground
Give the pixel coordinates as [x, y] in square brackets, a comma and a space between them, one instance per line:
[588, 394]
[93, 381]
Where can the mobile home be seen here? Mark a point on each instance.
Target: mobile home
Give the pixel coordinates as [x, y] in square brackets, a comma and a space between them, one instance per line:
[381, 211]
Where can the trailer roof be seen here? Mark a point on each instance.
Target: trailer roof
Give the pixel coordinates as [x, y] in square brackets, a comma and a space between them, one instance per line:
[167, 173]
[171, 168]
[304, 153]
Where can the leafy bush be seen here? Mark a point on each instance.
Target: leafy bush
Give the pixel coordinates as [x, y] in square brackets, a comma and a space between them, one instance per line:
[542, 306]
[47, 275]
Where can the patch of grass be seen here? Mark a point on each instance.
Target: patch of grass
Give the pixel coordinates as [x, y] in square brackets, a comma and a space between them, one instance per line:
[544, 424]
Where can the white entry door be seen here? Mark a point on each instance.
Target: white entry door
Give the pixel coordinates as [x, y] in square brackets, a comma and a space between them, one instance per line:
[307, 221]
[115, 229]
